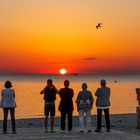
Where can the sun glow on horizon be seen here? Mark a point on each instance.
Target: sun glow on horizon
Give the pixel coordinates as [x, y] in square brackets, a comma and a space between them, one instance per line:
[63, 71]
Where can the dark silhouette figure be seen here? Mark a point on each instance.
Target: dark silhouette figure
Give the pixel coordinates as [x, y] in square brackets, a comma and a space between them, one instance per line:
[99, 25]
[66, 105]
[8, 104]
[49, 109]
[103, 103]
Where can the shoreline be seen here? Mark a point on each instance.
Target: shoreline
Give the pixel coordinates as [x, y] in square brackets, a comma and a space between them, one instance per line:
[123, 127]
[117, 121]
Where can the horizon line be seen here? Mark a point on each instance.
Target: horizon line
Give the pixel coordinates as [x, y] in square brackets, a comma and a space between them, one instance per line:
[106, 73]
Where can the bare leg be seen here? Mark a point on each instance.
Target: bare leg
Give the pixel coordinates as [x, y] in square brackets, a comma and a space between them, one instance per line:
[46, 122]
[52, 122]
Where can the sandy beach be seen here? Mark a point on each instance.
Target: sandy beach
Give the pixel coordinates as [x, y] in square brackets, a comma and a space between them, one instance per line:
[120, 123]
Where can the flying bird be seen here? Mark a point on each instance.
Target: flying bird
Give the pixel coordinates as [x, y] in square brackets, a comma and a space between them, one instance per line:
[99, 25]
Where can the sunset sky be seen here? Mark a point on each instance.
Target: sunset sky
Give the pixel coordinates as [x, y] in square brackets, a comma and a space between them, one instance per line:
[42, 36]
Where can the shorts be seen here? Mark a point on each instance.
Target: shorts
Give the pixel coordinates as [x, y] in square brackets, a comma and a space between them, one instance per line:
[49, 109]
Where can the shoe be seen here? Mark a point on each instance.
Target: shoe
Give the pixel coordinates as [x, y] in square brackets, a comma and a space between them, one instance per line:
[14, 132]
[89, 131]
[108, 130]
[97, 130]
[4, 132]
[46, 131]
[52, 131]
[82, 131]
[62, 131]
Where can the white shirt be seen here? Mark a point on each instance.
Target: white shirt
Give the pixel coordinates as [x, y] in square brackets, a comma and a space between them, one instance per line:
[102, 107]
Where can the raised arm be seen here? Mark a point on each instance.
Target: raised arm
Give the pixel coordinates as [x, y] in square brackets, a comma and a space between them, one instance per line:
[42, 91]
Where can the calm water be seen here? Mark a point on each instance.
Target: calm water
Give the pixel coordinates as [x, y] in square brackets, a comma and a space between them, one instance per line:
[30, 103]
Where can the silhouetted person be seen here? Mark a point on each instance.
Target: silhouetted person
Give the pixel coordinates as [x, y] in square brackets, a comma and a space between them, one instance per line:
[49, 108]
[8, 104]
[84, 105]
[66, 105]
[103, 103]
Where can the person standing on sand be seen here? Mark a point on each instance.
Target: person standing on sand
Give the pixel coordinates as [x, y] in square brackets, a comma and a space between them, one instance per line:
[103, 103]
[8, 104]
[84, 105]
[49, 108]
[66, 105]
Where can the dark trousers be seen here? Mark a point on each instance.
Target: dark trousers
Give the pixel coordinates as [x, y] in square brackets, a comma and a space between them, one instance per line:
[99, 118]
[12, 113]
[63, 117]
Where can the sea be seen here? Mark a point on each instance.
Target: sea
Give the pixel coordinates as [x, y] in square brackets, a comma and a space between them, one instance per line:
[30, 103]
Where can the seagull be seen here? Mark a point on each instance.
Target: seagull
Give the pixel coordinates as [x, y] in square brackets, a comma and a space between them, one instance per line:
[99, 25]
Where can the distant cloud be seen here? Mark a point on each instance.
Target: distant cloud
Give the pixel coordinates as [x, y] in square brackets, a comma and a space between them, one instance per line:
[89, 59]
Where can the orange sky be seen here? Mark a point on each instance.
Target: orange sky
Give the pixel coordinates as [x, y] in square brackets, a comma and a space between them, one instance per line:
[42, 36]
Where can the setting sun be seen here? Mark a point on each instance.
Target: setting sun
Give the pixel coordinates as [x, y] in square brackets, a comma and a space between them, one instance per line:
[63, 71]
